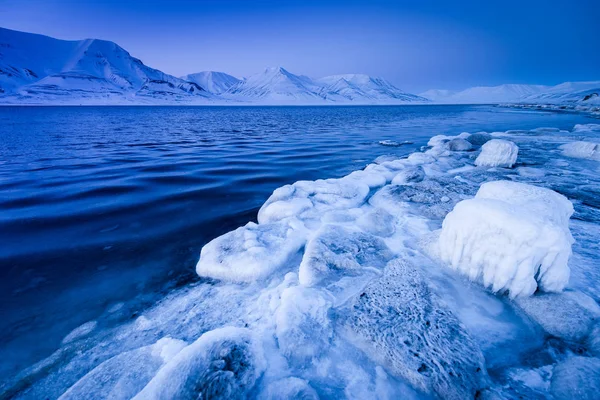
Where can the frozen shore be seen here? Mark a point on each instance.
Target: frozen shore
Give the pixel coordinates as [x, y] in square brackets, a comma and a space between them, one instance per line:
[468, 269]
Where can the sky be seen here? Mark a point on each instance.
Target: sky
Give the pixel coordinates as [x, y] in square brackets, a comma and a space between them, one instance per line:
[417, 45]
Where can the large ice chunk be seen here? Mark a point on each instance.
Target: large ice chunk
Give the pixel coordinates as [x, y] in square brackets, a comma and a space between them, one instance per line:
[315, 196]
[336, 251]
[224, 363]
[497, 153]
[512, 236]
[400, 324]
[587, 150]
[251, 252]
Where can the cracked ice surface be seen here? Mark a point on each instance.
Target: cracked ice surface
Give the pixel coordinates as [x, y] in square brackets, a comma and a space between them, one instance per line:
[395, 281]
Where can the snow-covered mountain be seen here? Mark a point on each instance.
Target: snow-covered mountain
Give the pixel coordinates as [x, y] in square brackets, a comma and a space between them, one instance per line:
[568, 92]
[42, 69]
[212, 81]
[363, 88]
[279, 86]
[276, 85]
[484, 94]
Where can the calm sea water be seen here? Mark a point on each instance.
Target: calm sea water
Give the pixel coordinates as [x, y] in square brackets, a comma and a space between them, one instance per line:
[108, 207]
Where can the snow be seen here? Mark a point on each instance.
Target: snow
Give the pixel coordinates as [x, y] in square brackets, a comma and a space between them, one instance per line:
[416, 277]
[513, 237]
[497, 153]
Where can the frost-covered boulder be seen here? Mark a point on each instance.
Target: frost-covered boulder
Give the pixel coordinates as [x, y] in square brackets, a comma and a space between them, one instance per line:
[336, 251]
[571, 317]
[459, 145]
[479, 138]
[251, 252]
[582, 149]
[224, 363]
[409, 175]
[512, 236]
[576, 378]
[497, 153]
[400, 324]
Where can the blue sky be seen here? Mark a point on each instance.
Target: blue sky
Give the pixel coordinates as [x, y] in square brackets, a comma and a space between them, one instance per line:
[417, 45]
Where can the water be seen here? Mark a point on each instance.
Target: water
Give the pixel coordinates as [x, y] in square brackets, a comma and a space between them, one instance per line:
[107, 208]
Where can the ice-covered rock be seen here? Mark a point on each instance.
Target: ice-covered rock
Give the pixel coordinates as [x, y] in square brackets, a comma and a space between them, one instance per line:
[398, 322]
[409, 175]
[223, 363]
[337, 251]
[513, 237]
[497, 153]
[479, 138]
[582, 149]
[569, 315]
[576, 378]
[459, 145]
[308, 199]
[251, 252]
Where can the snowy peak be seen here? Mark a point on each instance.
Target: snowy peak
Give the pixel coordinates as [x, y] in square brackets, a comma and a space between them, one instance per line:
[212, 81]
[364, 88]
[278, 85]
[36, 66]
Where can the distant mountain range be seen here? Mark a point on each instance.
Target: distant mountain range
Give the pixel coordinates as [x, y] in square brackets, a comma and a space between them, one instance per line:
[37, 69]
[568, 92]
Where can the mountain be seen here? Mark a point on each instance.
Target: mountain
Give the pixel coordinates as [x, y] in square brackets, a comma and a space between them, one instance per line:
[484, 94]
[279, 86]
[37, 69]
[276, 85]
[40, 68]
[567, 92]
[360, 87]
[213, 82]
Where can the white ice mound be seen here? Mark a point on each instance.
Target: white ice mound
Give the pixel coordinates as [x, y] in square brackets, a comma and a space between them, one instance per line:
[497, 153]
[251, 252]
[308, 199]
[336, 252]
[224, 363]
[587, 150]
[512, 236]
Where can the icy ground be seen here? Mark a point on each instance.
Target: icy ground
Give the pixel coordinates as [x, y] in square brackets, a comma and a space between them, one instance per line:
[433, 276]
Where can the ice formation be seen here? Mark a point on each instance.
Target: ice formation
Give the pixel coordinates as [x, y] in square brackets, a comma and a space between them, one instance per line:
[582, 150]
[513, 236]
[401, 324]
[342, 290]
[497, 153]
